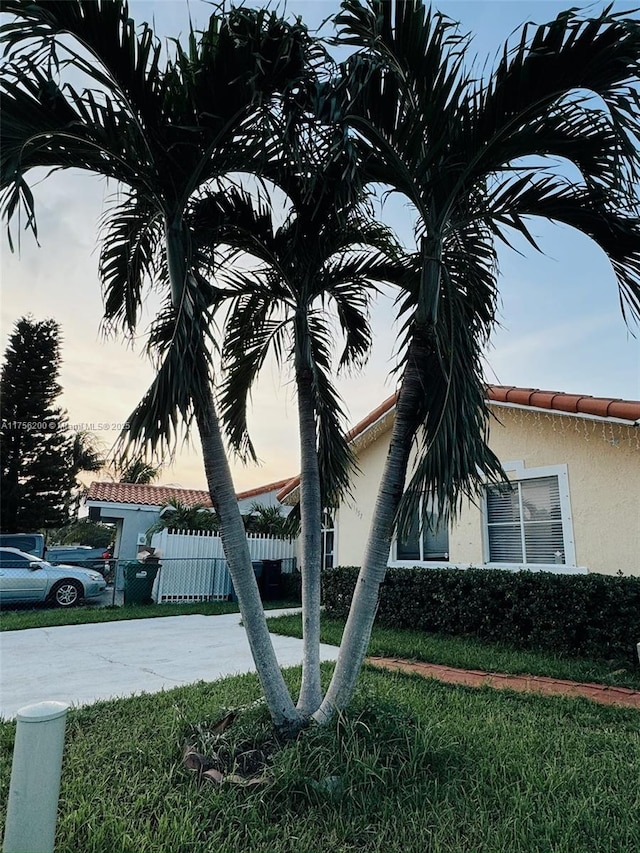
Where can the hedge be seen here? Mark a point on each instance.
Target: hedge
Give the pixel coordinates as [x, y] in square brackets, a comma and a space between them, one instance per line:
[291, 586]
[592, 616]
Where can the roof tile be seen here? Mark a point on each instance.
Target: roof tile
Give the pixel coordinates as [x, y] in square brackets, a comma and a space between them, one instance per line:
[261, 490]
[576, 404]
[136, 493]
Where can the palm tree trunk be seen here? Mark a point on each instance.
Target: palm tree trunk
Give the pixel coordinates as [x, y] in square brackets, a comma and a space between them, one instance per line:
[232, 532]
[357, 632]
[311, 525]
[236, 550]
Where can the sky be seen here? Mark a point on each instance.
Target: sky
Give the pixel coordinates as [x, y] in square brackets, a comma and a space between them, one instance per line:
[561, 327]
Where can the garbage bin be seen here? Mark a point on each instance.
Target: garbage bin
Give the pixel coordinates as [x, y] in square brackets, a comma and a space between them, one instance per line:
[258, 570]
[138, 581]
[271, 580]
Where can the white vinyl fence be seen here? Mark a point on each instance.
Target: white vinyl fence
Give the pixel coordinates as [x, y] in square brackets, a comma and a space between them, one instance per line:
[194, 567]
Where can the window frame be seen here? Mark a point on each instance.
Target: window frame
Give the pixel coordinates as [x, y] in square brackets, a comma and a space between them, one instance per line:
[324, 531]
[394, 560]
[518, 473]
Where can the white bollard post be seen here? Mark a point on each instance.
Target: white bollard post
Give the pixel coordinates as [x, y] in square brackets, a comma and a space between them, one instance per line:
[35, 778]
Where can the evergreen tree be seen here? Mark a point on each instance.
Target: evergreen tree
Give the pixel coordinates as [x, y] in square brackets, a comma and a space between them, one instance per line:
[36, 452]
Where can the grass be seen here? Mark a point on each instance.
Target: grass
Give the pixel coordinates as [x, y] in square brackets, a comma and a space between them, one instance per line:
[415, 766]
[49, 617]
[471, 653]
[463, 652]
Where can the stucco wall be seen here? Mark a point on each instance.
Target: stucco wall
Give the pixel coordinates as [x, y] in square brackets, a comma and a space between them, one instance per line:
[353, 517]
[131, 520]
[604, 482]
[264, 499]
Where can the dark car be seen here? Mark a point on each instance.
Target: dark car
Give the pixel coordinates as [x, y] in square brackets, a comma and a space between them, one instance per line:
[28, 543]
[83, 556]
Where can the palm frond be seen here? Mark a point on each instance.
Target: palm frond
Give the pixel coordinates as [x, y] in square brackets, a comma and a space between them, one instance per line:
[234, 217]
[253, 330]
[181, 340]
[452, 459]
[600, 55]
[590, 211]
[132, 234]
[123, 59]
[43, 127]
[350, 281]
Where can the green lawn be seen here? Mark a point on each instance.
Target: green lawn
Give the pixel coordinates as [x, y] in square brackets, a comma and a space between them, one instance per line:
[470, 653]
[467, 653]
[50, 617]
[415, 766]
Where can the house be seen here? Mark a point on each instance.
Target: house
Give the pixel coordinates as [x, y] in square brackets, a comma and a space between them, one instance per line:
[574, 465]
[263, 495]
[134, 507]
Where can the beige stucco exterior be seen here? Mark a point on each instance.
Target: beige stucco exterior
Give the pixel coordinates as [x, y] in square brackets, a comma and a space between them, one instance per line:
[602, 460]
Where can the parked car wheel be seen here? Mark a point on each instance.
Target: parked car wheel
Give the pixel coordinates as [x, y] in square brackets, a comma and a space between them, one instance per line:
[66, 593]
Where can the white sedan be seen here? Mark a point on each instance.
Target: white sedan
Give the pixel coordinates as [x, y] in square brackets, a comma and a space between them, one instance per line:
[24, 578]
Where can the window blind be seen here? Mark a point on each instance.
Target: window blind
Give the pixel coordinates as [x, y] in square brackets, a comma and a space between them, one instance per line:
[524, 522]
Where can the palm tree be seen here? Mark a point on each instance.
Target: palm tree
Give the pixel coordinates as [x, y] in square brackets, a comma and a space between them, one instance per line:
[86, 456]
[177, 515]
[267, 520]
[456, 147]
[138, 471]
[317, 273]
[162, 130]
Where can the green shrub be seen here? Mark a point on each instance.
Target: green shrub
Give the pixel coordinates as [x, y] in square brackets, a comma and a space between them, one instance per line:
[593, 616]
[292, 586]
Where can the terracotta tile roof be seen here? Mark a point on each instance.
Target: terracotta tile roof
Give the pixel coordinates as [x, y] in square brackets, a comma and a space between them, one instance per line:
[372, 417]
[134, 493]
[260, 490]
[575, 404]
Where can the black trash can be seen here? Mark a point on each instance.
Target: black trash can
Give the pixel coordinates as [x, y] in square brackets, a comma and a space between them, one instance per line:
[138, 581]
[258, 570]
[271, 580]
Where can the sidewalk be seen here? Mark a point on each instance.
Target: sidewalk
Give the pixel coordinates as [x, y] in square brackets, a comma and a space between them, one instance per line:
[82, 664]
[521, 683]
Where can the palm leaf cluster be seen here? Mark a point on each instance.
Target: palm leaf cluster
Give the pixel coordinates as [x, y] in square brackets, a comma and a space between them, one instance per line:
[316, 275]
[163, 128]
[462, 150]
[478, 158]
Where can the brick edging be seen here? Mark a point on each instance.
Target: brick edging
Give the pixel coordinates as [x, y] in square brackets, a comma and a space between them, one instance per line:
[522, 683]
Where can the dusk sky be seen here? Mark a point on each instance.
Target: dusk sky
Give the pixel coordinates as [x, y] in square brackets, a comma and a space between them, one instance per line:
[561, 324]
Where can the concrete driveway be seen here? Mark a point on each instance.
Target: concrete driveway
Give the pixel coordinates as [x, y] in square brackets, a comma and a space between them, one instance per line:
[81, 664]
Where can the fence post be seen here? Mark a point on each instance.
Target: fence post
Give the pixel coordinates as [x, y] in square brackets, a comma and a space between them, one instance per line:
[35, 778]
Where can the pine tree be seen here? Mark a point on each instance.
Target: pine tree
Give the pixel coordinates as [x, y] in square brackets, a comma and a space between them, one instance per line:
[36, 451]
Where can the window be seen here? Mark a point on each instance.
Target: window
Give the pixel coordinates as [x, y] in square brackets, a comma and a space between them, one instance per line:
[328, 540]
[432, 543]
[11, 560]
[529, 520]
